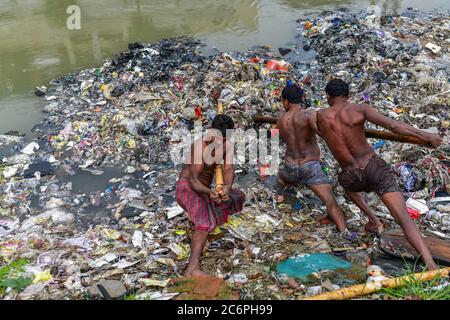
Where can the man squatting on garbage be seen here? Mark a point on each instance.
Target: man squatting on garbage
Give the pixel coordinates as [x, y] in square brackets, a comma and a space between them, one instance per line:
[205, 207]
[301, 164]
[342, 127]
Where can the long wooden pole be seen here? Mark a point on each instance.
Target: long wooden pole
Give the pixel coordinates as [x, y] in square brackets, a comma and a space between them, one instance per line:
[370, 133]
[365, 289]
[265, 119]
[386, 135]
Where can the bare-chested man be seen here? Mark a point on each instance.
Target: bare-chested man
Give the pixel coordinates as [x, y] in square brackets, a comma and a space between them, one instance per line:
[205, 207]
[301, 164]
[342, 127]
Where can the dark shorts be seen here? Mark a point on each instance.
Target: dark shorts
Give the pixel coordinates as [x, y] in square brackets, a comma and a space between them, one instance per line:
[376, 176]
[310, 173]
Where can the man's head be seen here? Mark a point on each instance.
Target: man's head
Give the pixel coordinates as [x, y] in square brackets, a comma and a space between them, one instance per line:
[292, 95]
[336, 88]
[223, 123]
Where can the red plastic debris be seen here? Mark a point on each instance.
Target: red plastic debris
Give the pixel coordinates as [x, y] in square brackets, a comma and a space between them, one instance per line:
[255, 60]
[275, 65]
[198, 112]
[414, 214]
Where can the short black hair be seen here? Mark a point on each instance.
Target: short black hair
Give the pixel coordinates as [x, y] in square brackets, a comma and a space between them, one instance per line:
[293, 93]
[222, 122]
[337, 88]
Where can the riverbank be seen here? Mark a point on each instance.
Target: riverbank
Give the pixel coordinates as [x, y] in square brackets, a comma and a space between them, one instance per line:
[116, 122]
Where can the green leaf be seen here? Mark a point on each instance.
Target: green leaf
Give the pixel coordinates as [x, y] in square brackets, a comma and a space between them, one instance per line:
[16, 283]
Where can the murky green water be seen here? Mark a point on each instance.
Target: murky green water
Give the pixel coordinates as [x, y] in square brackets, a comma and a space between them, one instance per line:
[36, 46]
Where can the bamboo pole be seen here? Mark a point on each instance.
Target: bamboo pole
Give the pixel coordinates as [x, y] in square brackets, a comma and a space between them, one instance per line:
[219, 177]
[365, 289]
[265, 119]
[385, 135]
[219, 170]
[219, 108]
[370, 133]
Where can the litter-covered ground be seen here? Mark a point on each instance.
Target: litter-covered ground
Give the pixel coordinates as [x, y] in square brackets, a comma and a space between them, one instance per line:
[91, 201]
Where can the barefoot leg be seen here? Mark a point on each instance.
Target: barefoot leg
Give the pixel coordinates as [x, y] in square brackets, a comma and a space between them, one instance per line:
[198, 243]
[358, 199]
[325, 193]
[280, 190]
[395, 202]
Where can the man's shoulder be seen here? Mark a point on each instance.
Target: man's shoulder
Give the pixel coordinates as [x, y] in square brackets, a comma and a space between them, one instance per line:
[282, 119]
[357, 106]
[324, 111]
[308, 111]
[305, 114]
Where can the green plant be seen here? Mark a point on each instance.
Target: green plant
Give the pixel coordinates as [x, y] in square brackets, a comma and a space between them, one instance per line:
[131, 296]
[10, 276]
[423, 290]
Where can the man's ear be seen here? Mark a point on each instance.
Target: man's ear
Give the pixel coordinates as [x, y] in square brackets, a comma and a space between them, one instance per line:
[330, 100]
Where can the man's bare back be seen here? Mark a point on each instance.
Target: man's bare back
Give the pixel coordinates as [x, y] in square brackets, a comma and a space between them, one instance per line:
[299, 136]
[302, 160]
[344, 127]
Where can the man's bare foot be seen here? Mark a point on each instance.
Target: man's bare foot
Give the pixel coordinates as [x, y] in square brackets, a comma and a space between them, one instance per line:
[432, 266]
[280, 198]
[372, 227]
[196, 273]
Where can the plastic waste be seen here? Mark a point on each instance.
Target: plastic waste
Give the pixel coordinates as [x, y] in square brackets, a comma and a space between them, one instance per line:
[174, 211]
[407, 175]
[42, 276]
[30, 148]
[137, 239]
[433, 48]
[302, 266]
[417, 205]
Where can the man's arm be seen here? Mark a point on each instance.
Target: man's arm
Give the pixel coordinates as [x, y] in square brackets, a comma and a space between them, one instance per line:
[400, 127]
[278, 125]
[228, 171]
[312, 119]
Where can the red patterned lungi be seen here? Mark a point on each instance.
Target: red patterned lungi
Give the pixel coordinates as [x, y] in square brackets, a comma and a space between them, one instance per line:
[202, 211]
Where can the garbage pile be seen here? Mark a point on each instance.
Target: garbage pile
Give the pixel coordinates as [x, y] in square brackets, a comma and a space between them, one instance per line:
[66, 235]
[400, 65]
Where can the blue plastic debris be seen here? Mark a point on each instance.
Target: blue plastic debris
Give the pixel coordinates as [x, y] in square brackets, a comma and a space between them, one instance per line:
[297, 205]
[302, 266]
[378, 144]
[407, 175]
